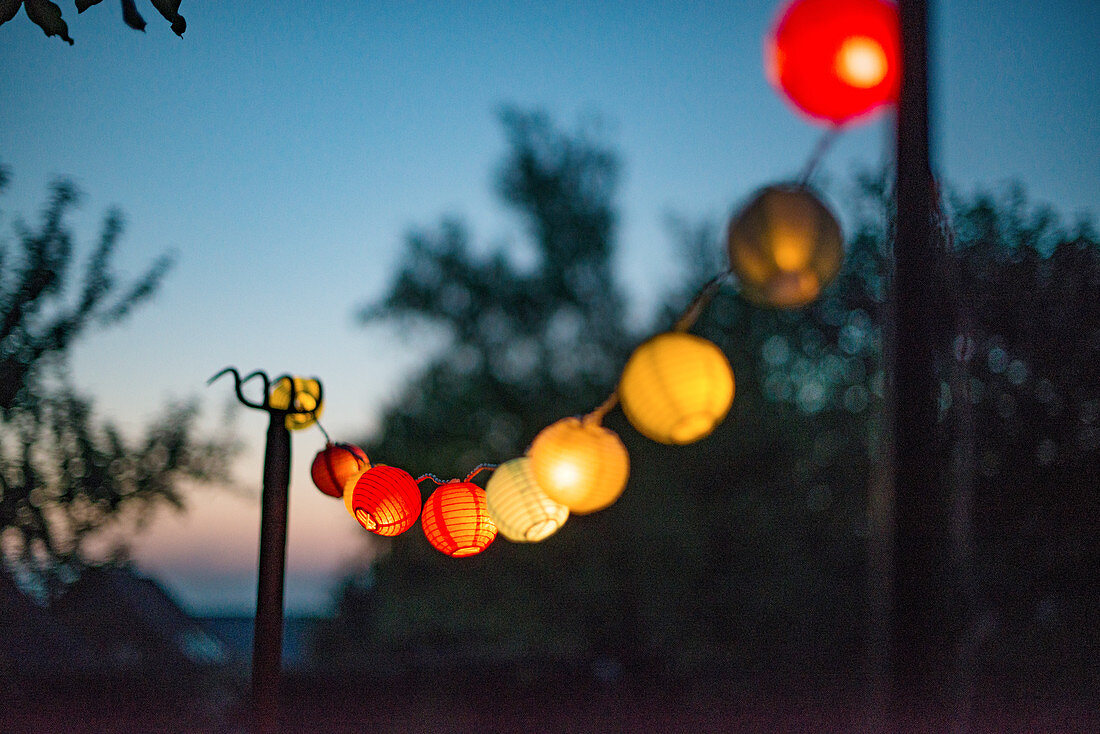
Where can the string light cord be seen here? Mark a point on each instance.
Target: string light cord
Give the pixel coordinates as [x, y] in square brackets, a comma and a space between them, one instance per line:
[701, 300]
[823, 145]
[687, 318]
[685, 321]
[478, 469]
[597, 415]
[469, 477]
[323, 431]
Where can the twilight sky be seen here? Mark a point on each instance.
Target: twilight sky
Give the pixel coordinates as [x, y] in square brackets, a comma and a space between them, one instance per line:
[282, 149]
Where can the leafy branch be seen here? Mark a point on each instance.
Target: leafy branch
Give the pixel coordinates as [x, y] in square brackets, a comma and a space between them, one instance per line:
[47, 15]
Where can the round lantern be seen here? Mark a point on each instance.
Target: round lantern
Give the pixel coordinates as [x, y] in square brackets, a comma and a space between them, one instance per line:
[307, 401]
[580, 464]
[785, 246]
[349, 495]
[836, 59]
[337, 465]
[456, 519]
[386, 500]
[676, 388]
[519, 507]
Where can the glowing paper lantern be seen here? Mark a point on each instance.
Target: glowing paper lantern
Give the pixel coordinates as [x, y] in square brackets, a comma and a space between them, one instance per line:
[676, 388]
[836, 59]
[386, 500]
[349, 495]
[307, 401]
[785, 246]
[456, 519]
[519, 507]
[580, 464]
[336, 465]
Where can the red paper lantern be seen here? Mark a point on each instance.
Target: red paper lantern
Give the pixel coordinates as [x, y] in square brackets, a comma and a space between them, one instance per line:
[836, 59]
[386, 500]
[337, 464]
[456, 519]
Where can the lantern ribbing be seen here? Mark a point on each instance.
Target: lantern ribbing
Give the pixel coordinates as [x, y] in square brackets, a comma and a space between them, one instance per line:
[456, 521]
[676, 388]
[521, 509]
[386, 500]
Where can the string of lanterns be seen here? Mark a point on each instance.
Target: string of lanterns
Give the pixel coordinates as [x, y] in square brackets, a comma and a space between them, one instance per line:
[835, 60]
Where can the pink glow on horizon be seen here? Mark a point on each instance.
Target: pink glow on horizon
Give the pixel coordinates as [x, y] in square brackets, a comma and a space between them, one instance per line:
[207, 554]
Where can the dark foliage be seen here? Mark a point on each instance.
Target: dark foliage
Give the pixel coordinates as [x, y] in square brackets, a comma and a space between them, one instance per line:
[66, 477]
[1032, 358]
[47, 15]
[744, 556]
[525, 346]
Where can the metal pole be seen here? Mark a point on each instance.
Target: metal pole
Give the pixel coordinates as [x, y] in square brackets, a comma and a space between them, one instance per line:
[267, 645]
[267, 639]
[922, 643]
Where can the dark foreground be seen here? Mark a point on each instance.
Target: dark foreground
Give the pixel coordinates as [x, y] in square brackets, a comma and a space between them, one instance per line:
[340, 705]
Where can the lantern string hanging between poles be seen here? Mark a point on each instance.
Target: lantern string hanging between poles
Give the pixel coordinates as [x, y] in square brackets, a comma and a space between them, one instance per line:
[836, 73]
[687, 318]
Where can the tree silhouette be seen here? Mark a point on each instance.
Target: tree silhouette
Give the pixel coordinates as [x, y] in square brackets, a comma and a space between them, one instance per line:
[743, 556]
[66, 477]
[525, 346]
[554, 330]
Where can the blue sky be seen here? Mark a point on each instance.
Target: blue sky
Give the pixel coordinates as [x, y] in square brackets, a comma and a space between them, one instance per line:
[283, 149]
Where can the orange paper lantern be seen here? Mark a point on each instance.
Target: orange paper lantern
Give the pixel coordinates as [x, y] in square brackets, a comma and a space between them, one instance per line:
[456, 519]
[580, 464]
[349, 495]
[386, 500]
[336, 465]
[785, 246]
[836, 59]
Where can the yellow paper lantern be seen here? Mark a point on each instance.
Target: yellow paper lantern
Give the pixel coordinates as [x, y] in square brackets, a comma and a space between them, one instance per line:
[520, 508]
[580, 464]
[785, 246]
[676, 388]
[307, 401]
